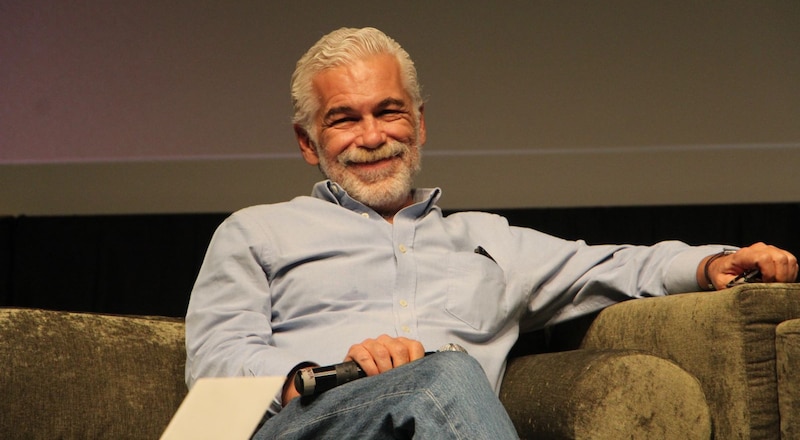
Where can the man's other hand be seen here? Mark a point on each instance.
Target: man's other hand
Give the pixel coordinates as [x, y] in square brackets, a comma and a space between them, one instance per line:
[775, 265]
[379, 355]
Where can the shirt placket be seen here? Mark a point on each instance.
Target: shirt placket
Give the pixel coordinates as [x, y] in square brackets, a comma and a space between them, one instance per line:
[404, 293]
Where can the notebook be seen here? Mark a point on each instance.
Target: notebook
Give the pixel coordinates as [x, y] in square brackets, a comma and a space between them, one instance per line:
[223, 408]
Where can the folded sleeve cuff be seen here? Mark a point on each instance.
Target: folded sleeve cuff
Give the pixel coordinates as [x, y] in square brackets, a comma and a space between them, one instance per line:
[681, 275]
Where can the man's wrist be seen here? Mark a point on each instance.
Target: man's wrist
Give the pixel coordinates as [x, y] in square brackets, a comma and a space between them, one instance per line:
[289, 392]
[708, 283]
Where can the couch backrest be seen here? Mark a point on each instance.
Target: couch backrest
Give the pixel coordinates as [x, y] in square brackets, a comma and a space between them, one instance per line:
[88, 376]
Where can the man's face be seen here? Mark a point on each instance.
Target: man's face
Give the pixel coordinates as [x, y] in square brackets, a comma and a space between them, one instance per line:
[367, 132]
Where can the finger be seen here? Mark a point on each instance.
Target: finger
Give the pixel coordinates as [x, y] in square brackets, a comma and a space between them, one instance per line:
[415, 349]
[376, 355]
[360, 354]
[791, 269]
[402, 350]
[396, 348]
[381, 351]
[771, 263]
[785, 267]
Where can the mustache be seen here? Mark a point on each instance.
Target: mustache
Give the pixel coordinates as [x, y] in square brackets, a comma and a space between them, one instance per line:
[360, 155]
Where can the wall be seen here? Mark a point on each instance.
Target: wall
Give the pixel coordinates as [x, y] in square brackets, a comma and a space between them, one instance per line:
[182, 106]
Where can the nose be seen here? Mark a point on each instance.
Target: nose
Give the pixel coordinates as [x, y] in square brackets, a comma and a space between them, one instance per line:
[372, 134]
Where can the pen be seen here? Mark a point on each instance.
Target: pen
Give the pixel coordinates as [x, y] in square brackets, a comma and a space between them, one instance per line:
[480, 250]
[748, 276]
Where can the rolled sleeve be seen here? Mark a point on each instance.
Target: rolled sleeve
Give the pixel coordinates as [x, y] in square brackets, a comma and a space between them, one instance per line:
[681, 277]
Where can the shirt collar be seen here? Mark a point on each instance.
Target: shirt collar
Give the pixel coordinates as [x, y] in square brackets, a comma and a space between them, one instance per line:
[425, 199]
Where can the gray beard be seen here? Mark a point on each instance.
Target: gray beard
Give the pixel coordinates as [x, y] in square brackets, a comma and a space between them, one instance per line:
[384, 191]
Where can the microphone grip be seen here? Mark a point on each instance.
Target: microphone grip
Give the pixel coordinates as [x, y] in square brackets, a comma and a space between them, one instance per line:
[316, 380]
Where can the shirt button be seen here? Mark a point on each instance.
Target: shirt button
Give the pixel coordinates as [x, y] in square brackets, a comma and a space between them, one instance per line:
[365, 214]
[402, 248]
[403, 303]
[406, 329]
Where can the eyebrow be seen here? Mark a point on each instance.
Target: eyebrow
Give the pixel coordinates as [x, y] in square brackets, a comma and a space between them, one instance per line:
[344, 109]
[389, 102]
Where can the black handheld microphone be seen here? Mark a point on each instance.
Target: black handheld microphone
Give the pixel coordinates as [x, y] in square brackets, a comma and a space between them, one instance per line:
[315, 380]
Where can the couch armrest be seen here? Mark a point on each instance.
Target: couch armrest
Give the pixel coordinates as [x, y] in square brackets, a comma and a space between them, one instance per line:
[788, 358]
[726, 339]
[80, 375]
[606, 394]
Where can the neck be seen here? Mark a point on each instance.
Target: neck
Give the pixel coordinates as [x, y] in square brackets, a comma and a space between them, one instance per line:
[388, 212]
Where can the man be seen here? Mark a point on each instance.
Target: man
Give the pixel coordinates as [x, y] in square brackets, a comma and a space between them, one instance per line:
[367, 269]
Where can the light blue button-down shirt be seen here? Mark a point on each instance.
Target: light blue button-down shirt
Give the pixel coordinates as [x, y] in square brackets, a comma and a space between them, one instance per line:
[304, 280]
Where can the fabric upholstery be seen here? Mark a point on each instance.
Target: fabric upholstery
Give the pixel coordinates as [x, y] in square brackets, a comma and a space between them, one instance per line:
[787, 344]
[588, 394]
[84, 376]
[674, 367]
[88, 376]
[725, 339]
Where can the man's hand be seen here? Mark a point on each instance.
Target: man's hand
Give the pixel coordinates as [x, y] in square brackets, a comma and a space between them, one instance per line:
[376, 356]
[776, 265]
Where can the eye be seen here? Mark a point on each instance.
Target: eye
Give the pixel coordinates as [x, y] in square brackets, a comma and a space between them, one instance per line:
[343, 121]
[390, 114]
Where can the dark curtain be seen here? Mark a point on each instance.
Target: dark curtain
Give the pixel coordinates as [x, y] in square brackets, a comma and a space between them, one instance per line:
[6, 253]
[738, 225]
[139, 264]
[146, 264]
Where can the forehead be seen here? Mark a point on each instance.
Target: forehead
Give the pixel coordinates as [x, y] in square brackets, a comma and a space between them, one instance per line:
[365, 82]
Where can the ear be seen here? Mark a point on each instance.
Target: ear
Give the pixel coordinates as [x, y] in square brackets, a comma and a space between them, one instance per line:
[422, 132]
[307, 148]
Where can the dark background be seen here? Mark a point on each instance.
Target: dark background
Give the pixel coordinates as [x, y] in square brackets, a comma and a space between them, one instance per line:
[146, 264]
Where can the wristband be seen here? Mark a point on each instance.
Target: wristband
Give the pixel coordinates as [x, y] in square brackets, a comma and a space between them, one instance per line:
[710, 285]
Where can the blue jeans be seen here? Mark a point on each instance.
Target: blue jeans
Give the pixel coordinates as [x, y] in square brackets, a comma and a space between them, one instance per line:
[442, 396]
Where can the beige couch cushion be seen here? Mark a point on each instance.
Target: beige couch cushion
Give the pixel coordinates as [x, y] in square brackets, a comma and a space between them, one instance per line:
[119, 380]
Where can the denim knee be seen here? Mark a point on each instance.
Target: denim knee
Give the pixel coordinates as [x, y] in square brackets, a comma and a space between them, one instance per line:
[452, 368]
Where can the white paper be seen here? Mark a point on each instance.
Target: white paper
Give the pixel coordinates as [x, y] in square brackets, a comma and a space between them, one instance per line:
[223, 408]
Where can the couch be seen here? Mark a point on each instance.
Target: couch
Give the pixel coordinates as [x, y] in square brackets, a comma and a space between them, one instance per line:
[706, 365]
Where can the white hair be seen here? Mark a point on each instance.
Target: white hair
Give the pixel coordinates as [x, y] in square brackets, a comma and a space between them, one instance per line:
[341, 47]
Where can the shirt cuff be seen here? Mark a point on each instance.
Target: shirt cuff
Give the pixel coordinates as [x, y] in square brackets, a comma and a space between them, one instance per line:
[681, 276]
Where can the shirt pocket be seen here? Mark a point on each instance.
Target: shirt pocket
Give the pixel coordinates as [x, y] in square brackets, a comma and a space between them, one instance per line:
[476, 292]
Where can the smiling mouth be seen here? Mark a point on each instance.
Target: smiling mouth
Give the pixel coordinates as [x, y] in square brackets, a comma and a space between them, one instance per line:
[373, 161]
